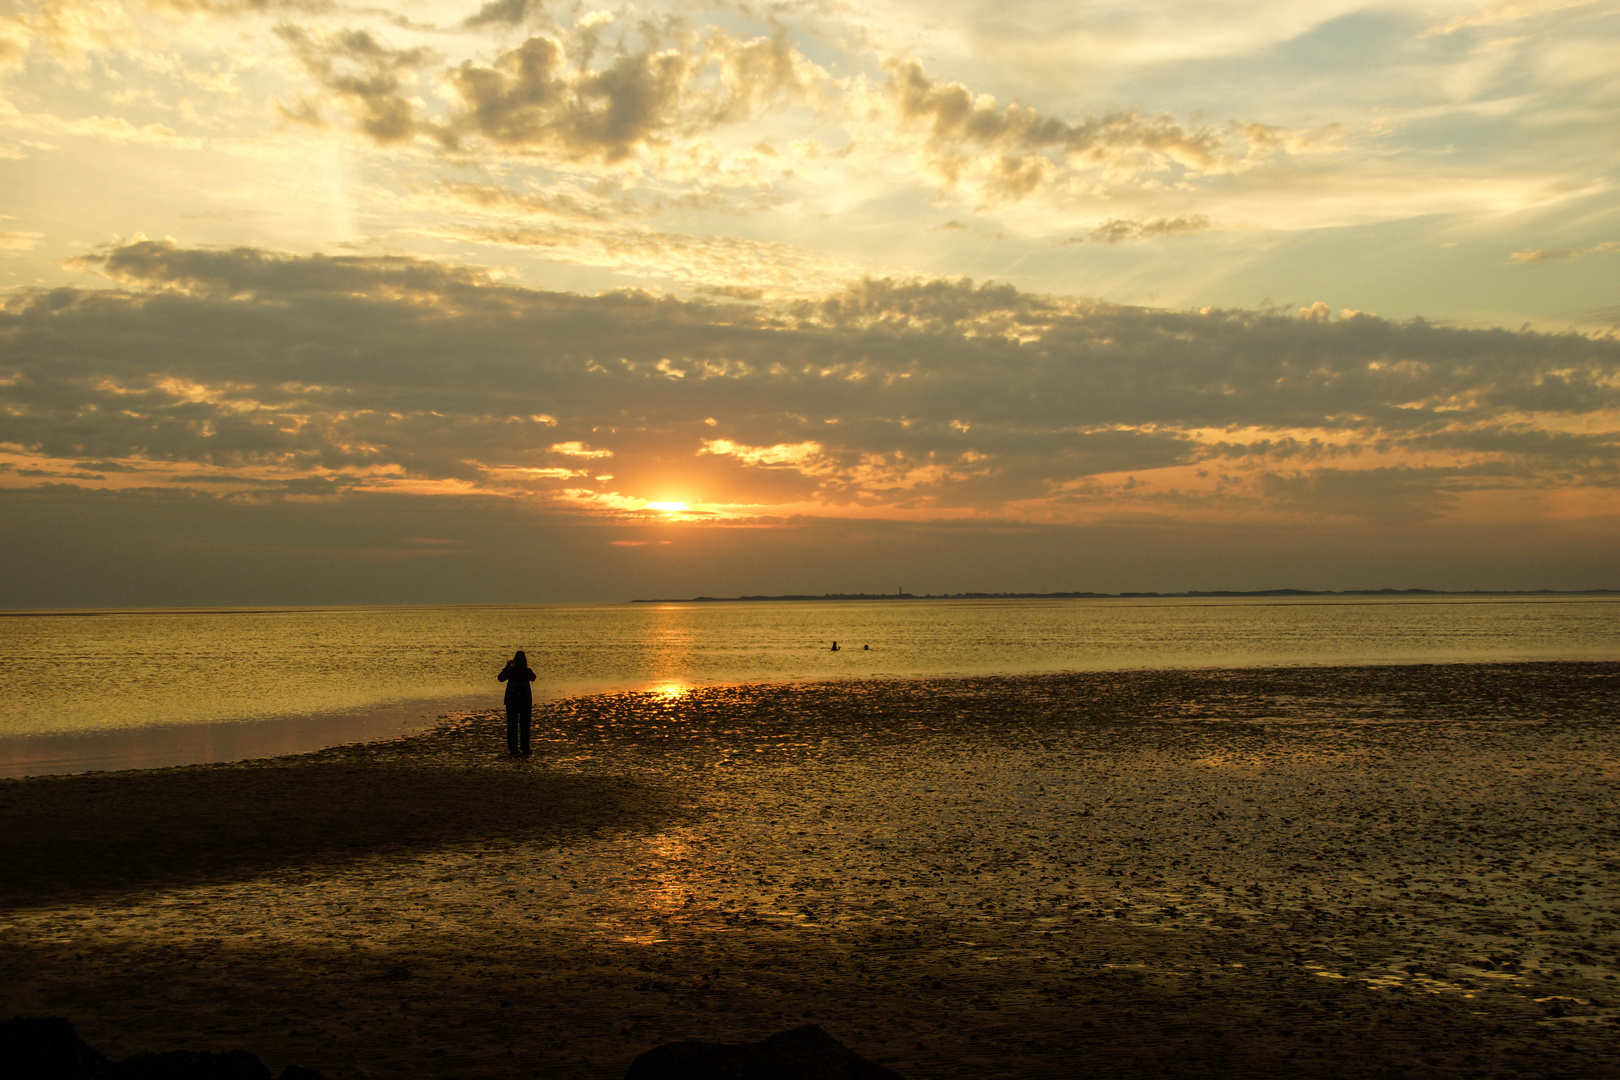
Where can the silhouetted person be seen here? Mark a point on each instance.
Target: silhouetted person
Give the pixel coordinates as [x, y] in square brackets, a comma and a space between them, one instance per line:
[519, 703]
[835, 646]
[866, 648]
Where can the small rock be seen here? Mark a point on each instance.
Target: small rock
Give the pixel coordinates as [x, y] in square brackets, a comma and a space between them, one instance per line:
[44, 1048]
[805, 1053]
[189, 1065]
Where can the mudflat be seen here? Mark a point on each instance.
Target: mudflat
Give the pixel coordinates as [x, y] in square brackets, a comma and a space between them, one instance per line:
[1303, 872]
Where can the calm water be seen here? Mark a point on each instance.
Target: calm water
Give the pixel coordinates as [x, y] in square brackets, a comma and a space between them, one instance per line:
[124, 689]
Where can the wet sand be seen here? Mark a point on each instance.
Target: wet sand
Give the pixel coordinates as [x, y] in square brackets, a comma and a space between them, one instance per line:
[1317, 872]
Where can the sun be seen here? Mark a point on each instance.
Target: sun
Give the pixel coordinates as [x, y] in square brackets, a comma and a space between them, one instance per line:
[668, 507]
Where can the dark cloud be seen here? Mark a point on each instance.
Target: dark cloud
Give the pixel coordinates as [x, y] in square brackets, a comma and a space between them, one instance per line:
[579, 96]
[547, 95]
[953, 114]
[504, 13]
[535, 97]
[360, 373]
[963, 131]
[373, 81]
[939, 304]
[732, 292]
[247, 272]
[1396, 496]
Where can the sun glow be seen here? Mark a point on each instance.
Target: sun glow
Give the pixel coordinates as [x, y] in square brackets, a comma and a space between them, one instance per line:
[669, 507]
[671, 691]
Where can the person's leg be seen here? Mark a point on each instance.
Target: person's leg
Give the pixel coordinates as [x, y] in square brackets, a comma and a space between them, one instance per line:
[523, 730]
[512, 714]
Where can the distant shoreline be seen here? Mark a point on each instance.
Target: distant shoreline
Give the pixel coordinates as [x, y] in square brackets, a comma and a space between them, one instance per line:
[1134, 595]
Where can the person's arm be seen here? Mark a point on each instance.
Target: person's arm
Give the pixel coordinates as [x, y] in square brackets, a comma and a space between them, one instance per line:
[531, 673]
[502, 676]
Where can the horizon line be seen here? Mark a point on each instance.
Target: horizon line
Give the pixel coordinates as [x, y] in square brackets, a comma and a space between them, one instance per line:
[900, 595]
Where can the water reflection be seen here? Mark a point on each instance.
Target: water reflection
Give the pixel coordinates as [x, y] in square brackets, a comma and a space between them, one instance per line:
[669, 643]
[672, 691]
[666, 886]
[298, 666]
[184, 744]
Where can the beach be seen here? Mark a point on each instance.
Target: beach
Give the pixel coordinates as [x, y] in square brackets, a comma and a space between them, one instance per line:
[1305, 872]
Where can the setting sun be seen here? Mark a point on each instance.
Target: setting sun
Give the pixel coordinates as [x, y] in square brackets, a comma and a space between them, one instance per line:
[669, 507]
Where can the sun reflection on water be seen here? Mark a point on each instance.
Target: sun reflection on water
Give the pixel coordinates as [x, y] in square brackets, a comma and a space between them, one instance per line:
[670, 638]
[671, 691]
[666, 888]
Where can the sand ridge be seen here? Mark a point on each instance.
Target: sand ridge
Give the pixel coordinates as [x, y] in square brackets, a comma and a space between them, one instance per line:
[1300, 872]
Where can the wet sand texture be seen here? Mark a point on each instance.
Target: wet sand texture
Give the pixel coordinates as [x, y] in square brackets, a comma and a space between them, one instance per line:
[1326, 872]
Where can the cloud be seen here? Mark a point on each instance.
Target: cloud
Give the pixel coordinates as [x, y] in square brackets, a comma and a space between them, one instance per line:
[648, 99]
[1532, 256]
[1399, 495]
[69, 31]
[708, 262]
[250, 272]
[1504, 11]
[715, 121]
[952, 115]
[575, 448]
[72, 31]
[19, 241]
[530, 98]
[534, 98]
[560, 201]
[547, 96]
[504, 13]
[1118, 230]
[243, 7]
[154, 548]
[267, 374]
[113, 129]
[813, 207]
[1011, 152]
[372, 80]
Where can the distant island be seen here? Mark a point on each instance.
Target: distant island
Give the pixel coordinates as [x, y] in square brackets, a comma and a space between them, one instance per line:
[1134, 595]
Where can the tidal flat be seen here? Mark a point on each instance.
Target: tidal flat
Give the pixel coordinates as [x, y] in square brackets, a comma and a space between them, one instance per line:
[1295, 872]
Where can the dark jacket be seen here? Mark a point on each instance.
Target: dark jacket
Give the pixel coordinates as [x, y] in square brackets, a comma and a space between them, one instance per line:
[517, 686]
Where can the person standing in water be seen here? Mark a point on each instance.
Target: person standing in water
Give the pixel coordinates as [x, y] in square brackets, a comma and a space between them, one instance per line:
[519, 703]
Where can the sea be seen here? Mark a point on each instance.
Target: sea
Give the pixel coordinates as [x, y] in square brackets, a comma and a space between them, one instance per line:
[103, 690]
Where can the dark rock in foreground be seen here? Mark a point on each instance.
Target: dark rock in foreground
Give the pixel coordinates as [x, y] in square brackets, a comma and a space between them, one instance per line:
[189, 1065]
[805, 1053]
[44, 1048]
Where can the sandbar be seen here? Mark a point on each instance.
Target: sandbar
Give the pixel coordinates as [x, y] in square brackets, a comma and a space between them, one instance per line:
[1297, 872]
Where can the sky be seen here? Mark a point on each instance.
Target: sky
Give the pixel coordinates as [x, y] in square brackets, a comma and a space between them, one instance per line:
[307, 303]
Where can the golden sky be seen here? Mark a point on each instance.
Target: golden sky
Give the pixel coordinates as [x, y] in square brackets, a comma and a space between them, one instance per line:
[306, 301]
